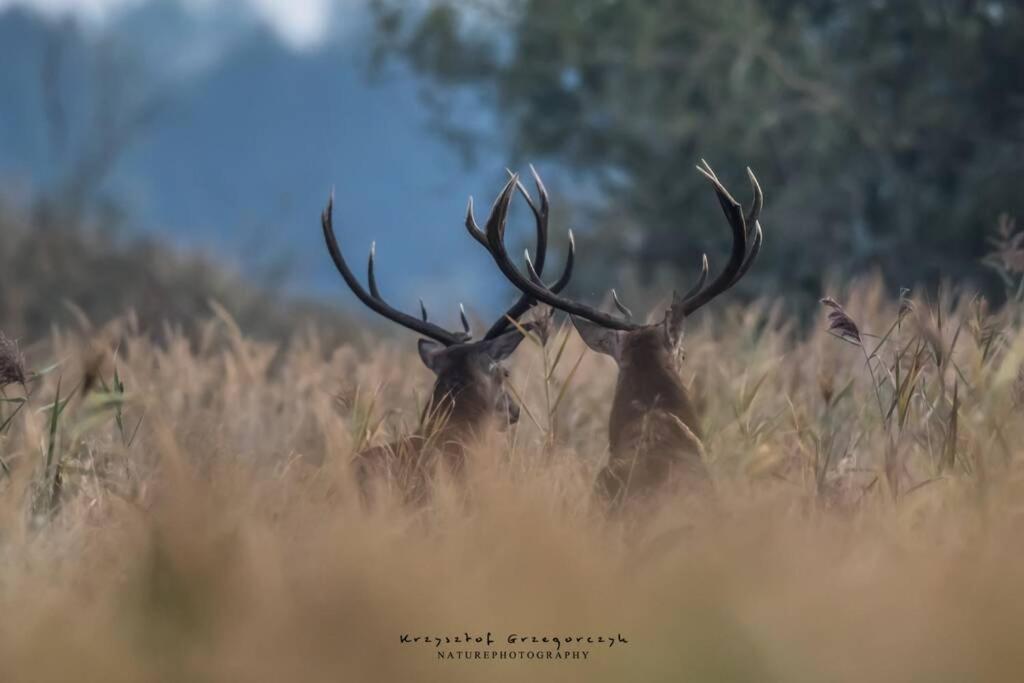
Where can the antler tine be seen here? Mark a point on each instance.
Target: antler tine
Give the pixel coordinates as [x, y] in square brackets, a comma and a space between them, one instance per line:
[570, 261]
[619, 305]
[370, 278]
[755, 249]
[496, 240]
[423, 311]
[532, 271]
[372, 299]
[541, 214]
[755, 207]
[464, 319]
[738, 256]
[705, 168]
[474, 230]
[753, 224]
[700, 280]
[542, 192]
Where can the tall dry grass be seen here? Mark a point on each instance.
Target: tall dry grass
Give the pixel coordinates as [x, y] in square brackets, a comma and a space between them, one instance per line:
[191, 517]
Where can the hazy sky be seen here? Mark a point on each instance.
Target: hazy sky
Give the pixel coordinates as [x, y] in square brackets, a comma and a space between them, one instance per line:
[301, 24]
[226, 168]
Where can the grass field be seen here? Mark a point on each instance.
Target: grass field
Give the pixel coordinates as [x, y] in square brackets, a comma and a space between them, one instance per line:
[182, 510]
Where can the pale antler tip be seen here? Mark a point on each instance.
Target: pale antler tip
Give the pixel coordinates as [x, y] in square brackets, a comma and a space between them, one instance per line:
[753, 179]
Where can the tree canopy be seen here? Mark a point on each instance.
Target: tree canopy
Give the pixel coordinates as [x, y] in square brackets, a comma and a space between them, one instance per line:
[885, 134]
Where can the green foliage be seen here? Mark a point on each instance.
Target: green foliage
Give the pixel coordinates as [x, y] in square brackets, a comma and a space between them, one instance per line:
[886, 134]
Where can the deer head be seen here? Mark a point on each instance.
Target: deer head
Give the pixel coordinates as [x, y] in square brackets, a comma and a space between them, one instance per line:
[629, 342]
[470, 378]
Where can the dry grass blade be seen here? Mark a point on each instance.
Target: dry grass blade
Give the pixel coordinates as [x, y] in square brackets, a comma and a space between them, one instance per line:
[568, 380]
[561, 349]
[948, 461]
[905, 387]
[524, 406]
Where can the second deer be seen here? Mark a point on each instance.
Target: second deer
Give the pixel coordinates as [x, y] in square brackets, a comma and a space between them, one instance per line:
[654, 433]
[469, 394]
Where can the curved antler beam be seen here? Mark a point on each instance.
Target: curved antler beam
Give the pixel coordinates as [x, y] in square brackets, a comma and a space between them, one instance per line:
[541, 214]
[372, 299]
[496, 240]
[740, 259]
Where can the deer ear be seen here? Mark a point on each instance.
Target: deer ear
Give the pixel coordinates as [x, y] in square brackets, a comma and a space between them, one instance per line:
[600, 339]
[502, 346]
[433, 355]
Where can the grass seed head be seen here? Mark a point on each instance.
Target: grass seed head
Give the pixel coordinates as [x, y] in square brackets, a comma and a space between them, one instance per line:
[840, 323]
[12, 363]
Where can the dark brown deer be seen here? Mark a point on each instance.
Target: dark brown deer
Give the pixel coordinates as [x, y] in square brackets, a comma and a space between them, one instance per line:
[654, 432]
[469, 394]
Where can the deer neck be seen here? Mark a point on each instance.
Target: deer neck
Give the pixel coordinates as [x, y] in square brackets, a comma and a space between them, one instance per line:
[649, 382]
[454, 415]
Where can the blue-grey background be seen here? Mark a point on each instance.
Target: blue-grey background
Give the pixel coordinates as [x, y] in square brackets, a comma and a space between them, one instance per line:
[888, 136]
[260, 109]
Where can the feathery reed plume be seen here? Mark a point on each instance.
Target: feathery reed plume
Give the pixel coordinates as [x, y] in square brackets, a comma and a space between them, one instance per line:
[841, 325]
[1007, 255]
[12, 363]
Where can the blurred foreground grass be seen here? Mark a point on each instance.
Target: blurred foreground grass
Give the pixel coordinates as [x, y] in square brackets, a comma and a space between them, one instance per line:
[190, 517]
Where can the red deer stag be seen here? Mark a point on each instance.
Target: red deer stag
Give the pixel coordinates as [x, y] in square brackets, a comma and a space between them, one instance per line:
[654, 433]
[469, 393]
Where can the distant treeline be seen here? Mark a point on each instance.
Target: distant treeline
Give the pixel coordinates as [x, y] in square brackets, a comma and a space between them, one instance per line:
[58, 268]
[886, 135]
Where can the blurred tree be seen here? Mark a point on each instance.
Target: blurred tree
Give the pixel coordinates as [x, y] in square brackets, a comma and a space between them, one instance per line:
[118, 106]
[50, 275]
[885, 133]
